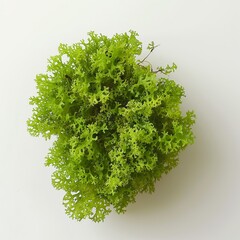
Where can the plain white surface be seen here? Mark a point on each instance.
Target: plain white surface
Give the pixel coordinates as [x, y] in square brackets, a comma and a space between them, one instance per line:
[197, 200]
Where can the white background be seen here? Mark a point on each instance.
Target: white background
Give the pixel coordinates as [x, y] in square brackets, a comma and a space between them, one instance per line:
[200, 199]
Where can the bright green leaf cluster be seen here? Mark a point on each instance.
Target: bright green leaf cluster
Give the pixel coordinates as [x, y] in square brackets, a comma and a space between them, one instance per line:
[118, 125]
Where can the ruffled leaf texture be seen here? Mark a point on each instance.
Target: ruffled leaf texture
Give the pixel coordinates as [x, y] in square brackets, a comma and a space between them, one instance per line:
[118, 125]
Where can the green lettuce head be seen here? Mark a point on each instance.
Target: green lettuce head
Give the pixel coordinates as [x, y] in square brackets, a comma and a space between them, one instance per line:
[117, 123]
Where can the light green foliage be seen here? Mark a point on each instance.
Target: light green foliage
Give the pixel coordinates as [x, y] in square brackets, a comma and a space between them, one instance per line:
[118, 124]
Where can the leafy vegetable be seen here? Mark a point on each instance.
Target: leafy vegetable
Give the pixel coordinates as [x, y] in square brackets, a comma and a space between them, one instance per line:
[118, 124]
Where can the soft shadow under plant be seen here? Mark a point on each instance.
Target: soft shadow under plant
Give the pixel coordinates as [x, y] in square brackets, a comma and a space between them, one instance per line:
[117, 123]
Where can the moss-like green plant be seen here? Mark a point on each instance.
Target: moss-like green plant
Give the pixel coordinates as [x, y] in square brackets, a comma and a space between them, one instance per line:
[117, 123]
